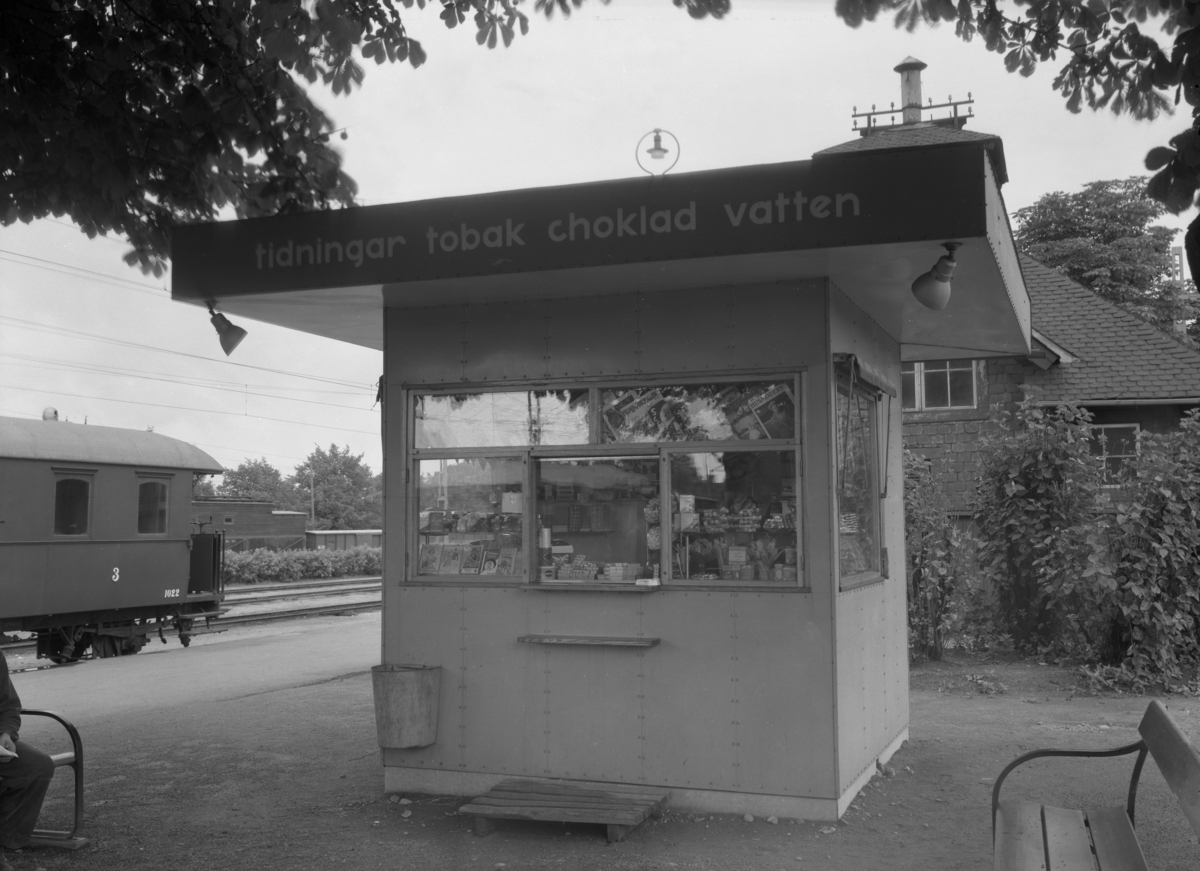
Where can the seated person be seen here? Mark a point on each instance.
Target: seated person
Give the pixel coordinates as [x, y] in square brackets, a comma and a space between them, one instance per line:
[24, 777]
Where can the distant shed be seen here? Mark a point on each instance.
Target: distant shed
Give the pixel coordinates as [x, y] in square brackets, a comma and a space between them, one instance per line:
[342, 539]
[250, 524]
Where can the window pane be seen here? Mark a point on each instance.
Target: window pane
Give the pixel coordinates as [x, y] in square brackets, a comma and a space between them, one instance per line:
[535, 417]
[962, 388]
[470, 518]
[598, 519]
[937, 384]
[908, 386]
[71, 507]
[699, 412]
[152, 507]
[858, 544]
[734, 516]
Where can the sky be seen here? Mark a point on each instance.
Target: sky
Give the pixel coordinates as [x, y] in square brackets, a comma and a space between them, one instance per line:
[775, 81]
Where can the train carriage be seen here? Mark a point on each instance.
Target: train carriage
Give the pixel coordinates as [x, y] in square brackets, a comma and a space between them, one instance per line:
[97, 547]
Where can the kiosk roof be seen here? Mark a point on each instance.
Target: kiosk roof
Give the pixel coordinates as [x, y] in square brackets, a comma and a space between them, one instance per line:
[871, 224]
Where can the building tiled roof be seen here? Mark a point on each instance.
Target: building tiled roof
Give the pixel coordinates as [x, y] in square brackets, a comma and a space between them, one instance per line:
[1120, 356]
[914, 136]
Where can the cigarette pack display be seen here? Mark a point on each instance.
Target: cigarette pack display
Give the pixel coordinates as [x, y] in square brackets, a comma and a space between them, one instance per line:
[452, 555]
[491, 556]
[431, 559]
[473, 559]
[504, 565]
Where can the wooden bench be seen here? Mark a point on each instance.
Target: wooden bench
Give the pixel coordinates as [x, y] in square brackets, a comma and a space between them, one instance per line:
[1028, 836]
[72, 759]
[620, 808]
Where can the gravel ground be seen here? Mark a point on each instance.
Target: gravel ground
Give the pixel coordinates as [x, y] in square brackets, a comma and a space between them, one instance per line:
[288, 777]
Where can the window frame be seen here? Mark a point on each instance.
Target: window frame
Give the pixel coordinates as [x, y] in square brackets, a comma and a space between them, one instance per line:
[1103, 455]
[88, 478]
[144, 478]
[918, 373]
[596, 448]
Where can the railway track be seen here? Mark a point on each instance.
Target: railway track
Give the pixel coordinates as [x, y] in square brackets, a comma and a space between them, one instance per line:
[245, 604]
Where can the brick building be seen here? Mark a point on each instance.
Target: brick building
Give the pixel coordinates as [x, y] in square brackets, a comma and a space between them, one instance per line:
[1130, 375]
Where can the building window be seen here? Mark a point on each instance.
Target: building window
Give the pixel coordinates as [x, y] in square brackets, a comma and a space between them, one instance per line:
[228, 520]
[937, 384]
[72, 503]
[152, 508]
[1113, 444]
[857, 482]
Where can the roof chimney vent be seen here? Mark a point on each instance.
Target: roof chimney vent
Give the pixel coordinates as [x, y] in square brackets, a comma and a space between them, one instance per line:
[910, 88]
[911, 108]
[50, 413]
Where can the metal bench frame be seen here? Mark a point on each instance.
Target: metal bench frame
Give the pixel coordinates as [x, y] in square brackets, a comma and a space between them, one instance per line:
[1178, 761]
[74, 760]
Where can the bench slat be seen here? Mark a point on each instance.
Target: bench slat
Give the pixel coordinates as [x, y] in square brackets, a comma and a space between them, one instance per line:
[1067, 845]
[1177, 759]
[1019, 845]
[1117, 847]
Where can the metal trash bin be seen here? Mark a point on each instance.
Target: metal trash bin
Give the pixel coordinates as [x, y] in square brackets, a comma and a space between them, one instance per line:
[406, 704]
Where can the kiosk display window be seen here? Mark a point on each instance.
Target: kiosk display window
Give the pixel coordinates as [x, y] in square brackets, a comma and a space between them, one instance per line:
[857, 483]
[671, 483]
[502, 420]
[471, 516]
[699, 412]
[593, 518]
[733, 516]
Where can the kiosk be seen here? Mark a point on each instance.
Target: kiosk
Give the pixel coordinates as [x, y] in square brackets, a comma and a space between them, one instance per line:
[643, 485]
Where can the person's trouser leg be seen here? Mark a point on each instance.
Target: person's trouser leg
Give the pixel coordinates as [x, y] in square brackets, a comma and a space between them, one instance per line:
[23, 785]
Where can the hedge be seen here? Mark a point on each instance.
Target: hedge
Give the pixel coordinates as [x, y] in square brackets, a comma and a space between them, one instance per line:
[271, 566]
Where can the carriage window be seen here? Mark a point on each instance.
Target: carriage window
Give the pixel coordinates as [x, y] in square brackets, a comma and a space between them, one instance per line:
[71, 502]
[152, 508]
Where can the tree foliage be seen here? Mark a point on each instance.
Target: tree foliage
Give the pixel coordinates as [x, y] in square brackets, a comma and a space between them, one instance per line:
[341, 489]
[255, 479]
[1108, 61]
[1103, 237]
[133, 115]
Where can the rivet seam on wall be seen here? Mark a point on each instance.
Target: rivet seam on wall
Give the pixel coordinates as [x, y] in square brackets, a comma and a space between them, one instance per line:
[637, 333]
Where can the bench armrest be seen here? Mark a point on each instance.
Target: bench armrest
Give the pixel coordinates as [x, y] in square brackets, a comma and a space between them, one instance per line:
[1138, 747]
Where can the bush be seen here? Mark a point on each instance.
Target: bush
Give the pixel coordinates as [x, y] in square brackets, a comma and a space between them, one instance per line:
[1155, 543]
[1043, 549]
[931, 541]
[272, 566]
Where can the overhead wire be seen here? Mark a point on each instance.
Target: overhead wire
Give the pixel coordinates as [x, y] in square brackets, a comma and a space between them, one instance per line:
[51, 391]
[232, 388]
[40, 327]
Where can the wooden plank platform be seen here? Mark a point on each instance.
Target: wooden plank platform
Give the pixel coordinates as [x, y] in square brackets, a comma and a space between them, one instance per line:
[620, 808]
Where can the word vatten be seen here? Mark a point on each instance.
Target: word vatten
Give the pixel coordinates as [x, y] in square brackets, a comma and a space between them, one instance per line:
[762, 212]
[292, 254]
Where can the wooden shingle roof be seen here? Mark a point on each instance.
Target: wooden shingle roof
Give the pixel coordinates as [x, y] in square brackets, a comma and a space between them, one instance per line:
[903, 137]
[1120, 357]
